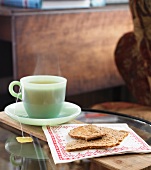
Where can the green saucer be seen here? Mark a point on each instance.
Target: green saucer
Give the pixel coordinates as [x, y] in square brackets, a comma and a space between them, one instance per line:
[17, 112]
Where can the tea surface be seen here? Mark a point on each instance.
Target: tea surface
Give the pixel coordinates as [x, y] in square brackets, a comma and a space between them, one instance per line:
[43, 82]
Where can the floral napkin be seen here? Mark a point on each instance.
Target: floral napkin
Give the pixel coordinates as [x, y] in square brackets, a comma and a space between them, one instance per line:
[57, 137]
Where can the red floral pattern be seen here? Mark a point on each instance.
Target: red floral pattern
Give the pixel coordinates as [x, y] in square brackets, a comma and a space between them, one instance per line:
[57, 137]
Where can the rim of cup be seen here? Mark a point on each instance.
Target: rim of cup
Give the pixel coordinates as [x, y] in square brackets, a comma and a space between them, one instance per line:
[58, 80]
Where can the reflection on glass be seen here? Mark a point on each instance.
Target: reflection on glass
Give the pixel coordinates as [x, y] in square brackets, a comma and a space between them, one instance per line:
[27, 156]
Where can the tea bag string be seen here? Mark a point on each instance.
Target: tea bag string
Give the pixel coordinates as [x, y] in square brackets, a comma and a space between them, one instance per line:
[15, 111]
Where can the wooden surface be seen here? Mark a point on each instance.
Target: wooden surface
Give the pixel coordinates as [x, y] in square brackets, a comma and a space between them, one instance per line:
[120, 162]
[77, 44]
[5, 27]
[124, 162]
[33, 130]
[131, 109]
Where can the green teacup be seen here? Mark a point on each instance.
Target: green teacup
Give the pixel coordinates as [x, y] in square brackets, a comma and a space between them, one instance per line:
[42, 95]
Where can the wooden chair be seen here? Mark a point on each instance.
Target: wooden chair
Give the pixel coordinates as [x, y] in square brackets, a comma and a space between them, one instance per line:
[133, 60]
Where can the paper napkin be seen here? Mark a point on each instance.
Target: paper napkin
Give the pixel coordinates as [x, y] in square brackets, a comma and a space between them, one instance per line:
[57, 137]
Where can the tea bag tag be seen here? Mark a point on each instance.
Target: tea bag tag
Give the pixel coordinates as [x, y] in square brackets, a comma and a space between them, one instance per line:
[24, 139]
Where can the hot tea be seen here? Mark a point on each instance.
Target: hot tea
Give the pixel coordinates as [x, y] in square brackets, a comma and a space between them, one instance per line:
[42, 96]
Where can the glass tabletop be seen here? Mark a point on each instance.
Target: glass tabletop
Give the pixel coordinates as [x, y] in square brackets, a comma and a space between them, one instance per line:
[36, 155]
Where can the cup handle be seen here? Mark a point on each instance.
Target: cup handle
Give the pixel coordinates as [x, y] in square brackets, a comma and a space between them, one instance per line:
[11, 89]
